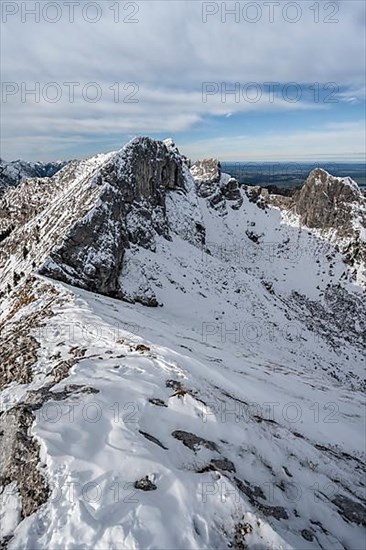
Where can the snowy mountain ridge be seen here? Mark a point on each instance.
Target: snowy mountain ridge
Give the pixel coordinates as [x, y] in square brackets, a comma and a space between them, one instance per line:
[227, 413]
[13, 173]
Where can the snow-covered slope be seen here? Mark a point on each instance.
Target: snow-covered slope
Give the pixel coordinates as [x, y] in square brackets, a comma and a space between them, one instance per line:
[229, 415]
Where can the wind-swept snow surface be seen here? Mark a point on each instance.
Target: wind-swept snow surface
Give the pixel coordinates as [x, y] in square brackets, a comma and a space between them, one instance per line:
[246, 439]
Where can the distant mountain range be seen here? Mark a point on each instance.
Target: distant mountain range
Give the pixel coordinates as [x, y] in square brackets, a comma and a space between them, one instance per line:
[12, 173]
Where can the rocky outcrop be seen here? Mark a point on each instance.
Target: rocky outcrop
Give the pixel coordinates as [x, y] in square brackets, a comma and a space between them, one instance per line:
[326, 202]
[270, 195]
[207, 175]
[333, 208]
[257, 195]
[336, 208]
[219, 188]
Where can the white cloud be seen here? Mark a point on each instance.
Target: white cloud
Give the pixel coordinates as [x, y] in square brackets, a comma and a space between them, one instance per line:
[168, 54]
[333, 141]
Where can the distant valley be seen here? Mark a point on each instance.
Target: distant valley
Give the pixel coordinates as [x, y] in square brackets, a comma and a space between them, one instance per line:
[290, 174]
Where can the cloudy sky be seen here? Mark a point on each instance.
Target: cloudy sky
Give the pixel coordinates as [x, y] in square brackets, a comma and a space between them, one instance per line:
[235, 80]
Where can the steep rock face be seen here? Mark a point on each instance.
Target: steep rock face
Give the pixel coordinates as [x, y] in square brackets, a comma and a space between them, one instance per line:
[35, 217]
[77, 228]
[326, 202]
[337, 209]
[131, 210]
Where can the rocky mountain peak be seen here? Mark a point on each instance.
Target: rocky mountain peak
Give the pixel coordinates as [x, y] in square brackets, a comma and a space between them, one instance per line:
[344, 189]
[144, 168]
[327, 202]
[335, 209]
[78, 227]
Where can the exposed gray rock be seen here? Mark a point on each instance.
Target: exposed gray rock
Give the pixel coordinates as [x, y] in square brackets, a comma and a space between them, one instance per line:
[18, 354]
[307, 535]
[157, 402]
[351, 510]
[207, 175]
[223, 464]
[257, 195]
[145, 484]
[217, 187]
[337, 208]
[230, 190]
[131, 209]
[242, 529]
[153, 440]
[325, 202]
[19, 454]
[18, 347]
[174, 384]
[193, 441]
[19, 450]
